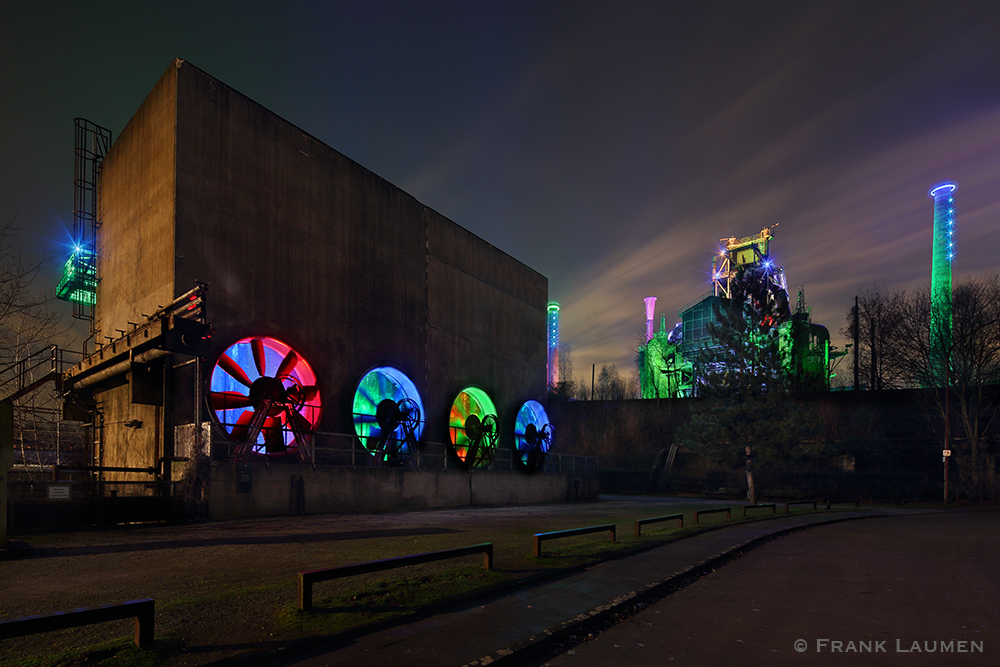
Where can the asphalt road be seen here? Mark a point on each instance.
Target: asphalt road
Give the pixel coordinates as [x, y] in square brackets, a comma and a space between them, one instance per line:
[907, 590]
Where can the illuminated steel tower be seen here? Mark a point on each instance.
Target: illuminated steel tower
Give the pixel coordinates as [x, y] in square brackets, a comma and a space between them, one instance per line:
[553, 363]
[941, 259]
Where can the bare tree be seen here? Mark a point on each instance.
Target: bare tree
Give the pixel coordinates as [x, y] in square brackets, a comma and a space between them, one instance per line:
[968, 401]
[27, 320]
[609, 385]
[879, 319]
[28, 323]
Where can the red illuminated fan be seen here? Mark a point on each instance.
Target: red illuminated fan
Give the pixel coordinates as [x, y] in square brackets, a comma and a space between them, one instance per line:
[264, 395]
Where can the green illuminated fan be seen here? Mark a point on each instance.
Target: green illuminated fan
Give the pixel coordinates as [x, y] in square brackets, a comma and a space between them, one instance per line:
[388, 415]
[474, 427]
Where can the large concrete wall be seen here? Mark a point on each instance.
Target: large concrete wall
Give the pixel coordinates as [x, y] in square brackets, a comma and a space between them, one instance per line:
[486, 324]
[287, 489]
[136, 211]
[135, 249]
[298, 242]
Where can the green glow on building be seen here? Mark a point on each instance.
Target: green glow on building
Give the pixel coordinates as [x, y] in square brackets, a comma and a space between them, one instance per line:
[942, 256]
[805, 349]
[79, 280]
[663, 370]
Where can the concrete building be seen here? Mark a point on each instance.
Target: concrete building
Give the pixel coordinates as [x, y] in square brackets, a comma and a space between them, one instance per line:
[297, 242]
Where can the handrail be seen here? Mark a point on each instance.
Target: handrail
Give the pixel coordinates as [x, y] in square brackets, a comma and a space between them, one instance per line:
[17, 373]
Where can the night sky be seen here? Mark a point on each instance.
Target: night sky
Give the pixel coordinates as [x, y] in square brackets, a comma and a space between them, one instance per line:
[608, 145]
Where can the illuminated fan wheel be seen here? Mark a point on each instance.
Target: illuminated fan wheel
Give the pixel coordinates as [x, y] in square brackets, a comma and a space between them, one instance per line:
[388, 415]
[532, 435]
[264, 396]
[474, 427]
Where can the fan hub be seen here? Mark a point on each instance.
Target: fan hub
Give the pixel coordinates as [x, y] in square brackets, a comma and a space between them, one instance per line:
[267, 389]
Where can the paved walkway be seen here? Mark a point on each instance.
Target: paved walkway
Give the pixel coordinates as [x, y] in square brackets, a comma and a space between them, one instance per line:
[899, 591]
[521, 626]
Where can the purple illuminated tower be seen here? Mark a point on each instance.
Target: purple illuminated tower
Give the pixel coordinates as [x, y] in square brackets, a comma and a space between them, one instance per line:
[553, 342]
[650, 302]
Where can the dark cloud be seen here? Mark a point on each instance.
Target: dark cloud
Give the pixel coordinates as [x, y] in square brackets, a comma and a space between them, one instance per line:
[607, 145]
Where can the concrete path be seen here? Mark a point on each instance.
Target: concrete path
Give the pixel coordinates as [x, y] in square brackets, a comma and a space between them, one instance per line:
[915, 590]
[524, 625]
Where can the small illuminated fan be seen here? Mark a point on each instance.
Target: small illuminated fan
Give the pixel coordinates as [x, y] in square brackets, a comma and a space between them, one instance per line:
[264, 395]
[474, 427]
[388, 415]
[532, 435]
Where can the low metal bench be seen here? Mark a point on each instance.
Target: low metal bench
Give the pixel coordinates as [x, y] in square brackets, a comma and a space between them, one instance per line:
[142, 610]
[656, 519]
[556, 534]
[727, 510]
[307, 579]
[774, 509]
[799, 502]
[853, 501]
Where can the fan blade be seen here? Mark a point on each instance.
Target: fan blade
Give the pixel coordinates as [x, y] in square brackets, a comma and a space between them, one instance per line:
[228, 400]
[287, 364]
[227, 364]
[302, 395]
[257, 346]
[301, 422]
[239, 431]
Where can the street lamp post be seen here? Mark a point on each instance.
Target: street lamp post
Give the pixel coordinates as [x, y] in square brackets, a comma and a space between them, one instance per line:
[946, 454]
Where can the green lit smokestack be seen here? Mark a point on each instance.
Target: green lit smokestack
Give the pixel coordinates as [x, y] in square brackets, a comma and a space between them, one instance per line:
[943, 254]
[553, 345]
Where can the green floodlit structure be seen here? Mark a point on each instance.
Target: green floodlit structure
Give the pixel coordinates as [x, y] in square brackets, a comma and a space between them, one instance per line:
[663, 370]
[667, 367]
[942, 256]
[79, 279]
[805, 346]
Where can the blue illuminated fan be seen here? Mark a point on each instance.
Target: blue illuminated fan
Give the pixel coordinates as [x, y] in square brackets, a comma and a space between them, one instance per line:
[532, 435]
[388, 415]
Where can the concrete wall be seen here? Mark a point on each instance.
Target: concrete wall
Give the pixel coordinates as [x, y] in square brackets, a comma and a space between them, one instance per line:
[298, 242]
[134, 261]
[136, 211]
[486, 325]
[276, 490]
